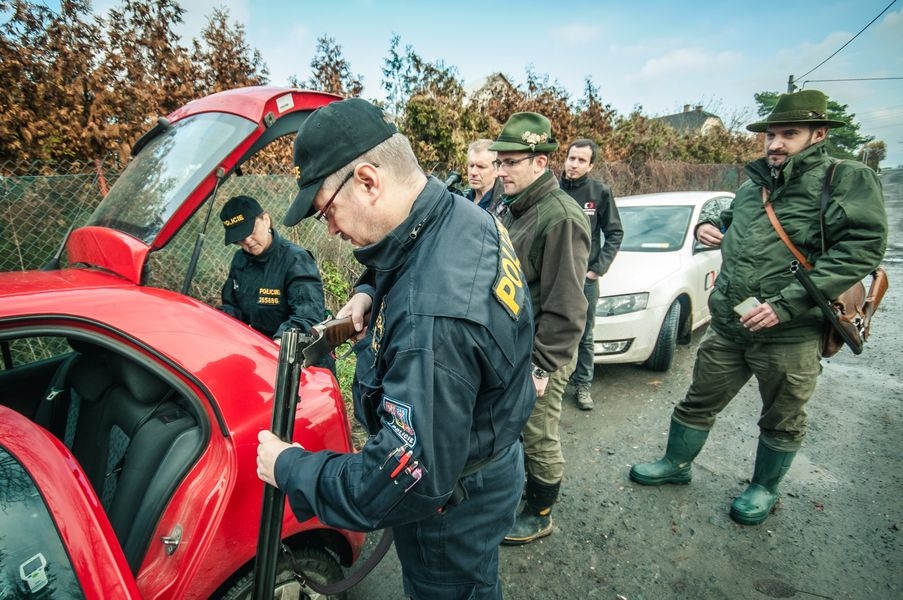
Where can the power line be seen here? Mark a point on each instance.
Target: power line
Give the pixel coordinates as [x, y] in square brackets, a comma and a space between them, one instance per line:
[851, 39]
[850, 79]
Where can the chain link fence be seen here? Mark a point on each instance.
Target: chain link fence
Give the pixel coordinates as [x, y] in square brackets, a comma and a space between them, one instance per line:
[37, 211]
[40, 203]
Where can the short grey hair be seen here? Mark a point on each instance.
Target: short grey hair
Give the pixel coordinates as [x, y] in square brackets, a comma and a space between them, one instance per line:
[394, 155]
[480, 145]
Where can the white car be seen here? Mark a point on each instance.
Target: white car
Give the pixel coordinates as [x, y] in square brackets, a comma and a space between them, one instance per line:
[656, 292]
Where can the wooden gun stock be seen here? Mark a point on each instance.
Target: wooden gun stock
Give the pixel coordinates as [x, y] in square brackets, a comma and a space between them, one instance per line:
[338, 331]
[328, 336]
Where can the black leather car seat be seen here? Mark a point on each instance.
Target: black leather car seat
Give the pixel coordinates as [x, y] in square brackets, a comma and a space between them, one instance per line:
[134, 439]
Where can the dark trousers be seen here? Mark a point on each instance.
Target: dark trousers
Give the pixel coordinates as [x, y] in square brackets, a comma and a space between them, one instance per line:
[454, 555]
[786, 374]
[583, 371]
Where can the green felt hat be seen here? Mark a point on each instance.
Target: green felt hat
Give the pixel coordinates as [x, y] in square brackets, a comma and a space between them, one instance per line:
[805, 106]
[526, 132]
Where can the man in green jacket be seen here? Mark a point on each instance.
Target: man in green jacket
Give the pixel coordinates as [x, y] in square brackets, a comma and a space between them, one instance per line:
[777, 340]
[550, 235]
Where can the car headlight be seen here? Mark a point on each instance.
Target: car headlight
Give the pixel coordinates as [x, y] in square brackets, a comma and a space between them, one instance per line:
[609, 306]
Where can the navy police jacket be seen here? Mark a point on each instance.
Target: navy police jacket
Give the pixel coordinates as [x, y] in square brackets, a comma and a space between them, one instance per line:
[443, 378]
[278, 289]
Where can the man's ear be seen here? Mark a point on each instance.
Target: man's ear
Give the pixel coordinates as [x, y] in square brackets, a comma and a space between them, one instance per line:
[819, 133]
[541, 161]
[367, 179]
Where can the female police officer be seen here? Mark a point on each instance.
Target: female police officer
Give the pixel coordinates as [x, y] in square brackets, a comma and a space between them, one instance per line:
[273, 284]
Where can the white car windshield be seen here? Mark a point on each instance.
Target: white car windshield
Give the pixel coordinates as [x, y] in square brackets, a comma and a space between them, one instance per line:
[173, 163]
[654, 228]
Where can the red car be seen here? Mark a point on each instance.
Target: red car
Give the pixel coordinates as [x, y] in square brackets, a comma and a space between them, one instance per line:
[129, 413]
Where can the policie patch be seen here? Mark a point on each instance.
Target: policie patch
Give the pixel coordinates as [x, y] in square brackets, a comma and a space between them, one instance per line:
[399, 418]
[508, 288]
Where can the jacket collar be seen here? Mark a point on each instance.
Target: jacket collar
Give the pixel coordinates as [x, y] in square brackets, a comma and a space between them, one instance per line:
[535, 192]
[761, 173]
[573, 184]
[390, 252]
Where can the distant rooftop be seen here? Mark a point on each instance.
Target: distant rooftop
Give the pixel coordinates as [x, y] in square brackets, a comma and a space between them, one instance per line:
[692, 120]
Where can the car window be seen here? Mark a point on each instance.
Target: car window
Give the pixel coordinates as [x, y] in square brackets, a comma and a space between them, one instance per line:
[24, 351]
[713, 208]
[654, 228]
[171, 165]
[33, 560]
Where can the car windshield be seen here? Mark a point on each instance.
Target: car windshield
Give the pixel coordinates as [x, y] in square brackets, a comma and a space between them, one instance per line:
[654, 228]
[172, 164]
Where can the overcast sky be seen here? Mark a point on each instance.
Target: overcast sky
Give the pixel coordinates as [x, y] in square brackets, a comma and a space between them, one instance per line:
[656, 54]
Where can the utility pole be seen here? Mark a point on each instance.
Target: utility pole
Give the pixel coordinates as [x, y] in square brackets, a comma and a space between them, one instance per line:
[790, 85]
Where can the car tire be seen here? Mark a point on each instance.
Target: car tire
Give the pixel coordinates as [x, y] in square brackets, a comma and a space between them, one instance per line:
[663, 353]
[319, 565]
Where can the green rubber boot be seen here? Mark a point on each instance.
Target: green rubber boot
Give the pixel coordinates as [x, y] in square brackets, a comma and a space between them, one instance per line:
[535, 520]
[684, 443]
[755, 503]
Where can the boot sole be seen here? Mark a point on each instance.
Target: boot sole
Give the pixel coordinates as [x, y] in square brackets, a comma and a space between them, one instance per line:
[744, 519]
[752, 518]
[673, 479]
[522, 541]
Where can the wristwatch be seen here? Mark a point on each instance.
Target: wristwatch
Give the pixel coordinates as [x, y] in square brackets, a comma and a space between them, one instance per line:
[539, 372]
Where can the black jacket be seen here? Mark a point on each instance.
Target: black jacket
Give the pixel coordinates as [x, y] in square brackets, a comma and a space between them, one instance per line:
[444, 373]
[597, 202]
[278, 289]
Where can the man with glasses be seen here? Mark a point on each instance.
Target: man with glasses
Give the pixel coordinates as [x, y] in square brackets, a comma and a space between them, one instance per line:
[551, 237]
[442, 384]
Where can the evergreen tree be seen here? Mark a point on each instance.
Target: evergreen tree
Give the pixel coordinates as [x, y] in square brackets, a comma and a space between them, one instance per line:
[47, 81]
[331, 72]
[223, 58]
[146, 72]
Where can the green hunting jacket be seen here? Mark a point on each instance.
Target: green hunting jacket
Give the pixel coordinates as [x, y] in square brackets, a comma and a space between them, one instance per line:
[550, 235]
[757, 263]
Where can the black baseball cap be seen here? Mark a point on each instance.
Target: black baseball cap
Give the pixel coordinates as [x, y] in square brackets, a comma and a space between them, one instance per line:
[238, 216]
[330, 138]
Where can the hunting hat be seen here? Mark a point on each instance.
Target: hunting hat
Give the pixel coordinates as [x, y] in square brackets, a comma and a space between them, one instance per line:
[238, 216]
[330, 138]
[805, 106]
[526, 132]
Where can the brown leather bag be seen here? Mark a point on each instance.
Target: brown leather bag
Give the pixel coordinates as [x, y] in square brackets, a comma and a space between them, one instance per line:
[854, 307]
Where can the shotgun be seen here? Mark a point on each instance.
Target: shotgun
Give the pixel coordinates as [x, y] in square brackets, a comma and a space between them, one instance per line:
[850, 333]
[297, 350]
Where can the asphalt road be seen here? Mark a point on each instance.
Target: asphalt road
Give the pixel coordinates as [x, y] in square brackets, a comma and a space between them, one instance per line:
[835, 533]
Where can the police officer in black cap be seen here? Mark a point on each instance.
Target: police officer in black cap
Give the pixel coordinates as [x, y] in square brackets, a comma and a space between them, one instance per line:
[273, 284]
[443, 382]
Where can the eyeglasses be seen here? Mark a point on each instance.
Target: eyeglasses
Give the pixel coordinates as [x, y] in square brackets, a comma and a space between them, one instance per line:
[510, 162]
[321, 214]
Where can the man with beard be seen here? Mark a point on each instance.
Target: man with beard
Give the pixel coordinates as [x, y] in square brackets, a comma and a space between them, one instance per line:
[777, 340]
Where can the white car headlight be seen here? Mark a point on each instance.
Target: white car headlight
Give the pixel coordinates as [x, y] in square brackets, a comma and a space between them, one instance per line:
[609, 306]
